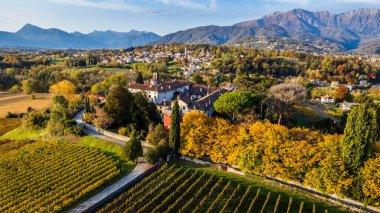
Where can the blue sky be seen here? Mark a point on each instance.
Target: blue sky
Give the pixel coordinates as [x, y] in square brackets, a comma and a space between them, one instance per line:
[159, 16]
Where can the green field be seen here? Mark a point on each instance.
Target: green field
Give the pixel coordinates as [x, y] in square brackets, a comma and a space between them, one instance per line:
[50, 176]
[116, 69]
[186, 187]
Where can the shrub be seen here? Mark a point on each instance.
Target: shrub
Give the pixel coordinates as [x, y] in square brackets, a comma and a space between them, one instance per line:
[123, 131]
[36, 120]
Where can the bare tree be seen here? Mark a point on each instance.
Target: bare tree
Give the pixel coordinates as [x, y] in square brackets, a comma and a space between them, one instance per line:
[102, 119]
[283, 96]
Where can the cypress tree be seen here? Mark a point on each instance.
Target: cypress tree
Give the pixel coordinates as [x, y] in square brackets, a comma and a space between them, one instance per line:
[360, 134]
[139, 78]
[174, 136]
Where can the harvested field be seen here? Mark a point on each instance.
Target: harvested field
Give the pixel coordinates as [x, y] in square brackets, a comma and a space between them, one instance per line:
[19, 102]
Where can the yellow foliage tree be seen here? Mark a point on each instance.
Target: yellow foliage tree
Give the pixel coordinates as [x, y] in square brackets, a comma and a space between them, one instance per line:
[223, 142]
[195, 129]
[65, 88]
[371, 177]
[330, 176]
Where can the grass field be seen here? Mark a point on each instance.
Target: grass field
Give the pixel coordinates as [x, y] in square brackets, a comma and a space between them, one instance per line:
[22, 133]
[9, 124]
[50, 176]
[19, 102]
[116, 69]
[186, 187]
[112, 150]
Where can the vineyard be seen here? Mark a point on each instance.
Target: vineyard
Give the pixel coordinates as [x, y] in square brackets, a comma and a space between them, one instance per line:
[9, 124]
[178, 189]
[49, 176]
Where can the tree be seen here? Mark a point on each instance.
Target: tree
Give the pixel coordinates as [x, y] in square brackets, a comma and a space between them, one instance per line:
[139, 78]
[132, 148]
[120, 105]
[145, 112]
[175, 129]
[330, 176]
[234, 103]
[60, 123]
[102, 119]
[283, 96]
[65, 88]
[97, 88]
[197, 79]
[342, 94]
[371, 176]
[360, 134]
[159, 133]
[195, 133]
[30, 86]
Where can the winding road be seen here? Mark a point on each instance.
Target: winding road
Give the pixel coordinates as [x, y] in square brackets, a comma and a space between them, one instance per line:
[108, 193]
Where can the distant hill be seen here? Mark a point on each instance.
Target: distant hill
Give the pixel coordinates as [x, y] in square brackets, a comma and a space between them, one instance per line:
[349, 31]
[33, 36]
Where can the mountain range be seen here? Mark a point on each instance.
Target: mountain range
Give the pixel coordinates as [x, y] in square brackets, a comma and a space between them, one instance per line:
[350, 30]
[357, 30]
[33, 36]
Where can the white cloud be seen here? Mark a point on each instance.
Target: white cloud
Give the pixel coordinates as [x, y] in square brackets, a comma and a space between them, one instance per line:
[360, 1]
[295, 2]
[192, 4]
[99, 4]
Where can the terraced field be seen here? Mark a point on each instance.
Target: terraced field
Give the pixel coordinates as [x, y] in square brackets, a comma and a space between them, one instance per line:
[180, 189]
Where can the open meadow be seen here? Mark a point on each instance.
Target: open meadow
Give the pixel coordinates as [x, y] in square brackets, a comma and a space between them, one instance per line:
[19, 102]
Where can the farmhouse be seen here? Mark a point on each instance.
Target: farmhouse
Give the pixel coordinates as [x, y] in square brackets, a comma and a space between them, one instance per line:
[187, 103]
[159, 93]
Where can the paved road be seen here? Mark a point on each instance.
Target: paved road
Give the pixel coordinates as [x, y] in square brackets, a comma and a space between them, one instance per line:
[140, 169]
[108, 192]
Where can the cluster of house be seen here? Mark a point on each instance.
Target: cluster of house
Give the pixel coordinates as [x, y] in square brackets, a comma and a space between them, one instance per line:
[195, 62]
[346, 106]
[191, 97]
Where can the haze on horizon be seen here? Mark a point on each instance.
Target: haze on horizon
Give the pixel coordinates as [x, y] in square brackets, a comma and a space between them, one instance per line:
[158, 16]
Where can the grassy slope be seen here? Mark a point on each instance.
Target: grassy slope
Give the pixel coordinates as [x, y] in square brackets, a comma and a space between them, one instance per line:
[110, 149]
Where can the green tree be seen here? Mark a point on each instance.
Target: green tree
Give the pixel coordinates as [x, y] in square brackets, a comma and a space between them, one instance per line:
[139, 78]
[234, 103]
[198, 79]
[30, 86]
[360, 134]
[159, 133]
[132, 148]
[60, 123]
[120, 105]
[175, 129]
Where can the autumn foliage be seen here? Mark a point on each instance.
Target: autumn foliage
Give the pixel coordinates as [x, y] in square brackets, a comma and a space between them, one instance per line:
[297, 154]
